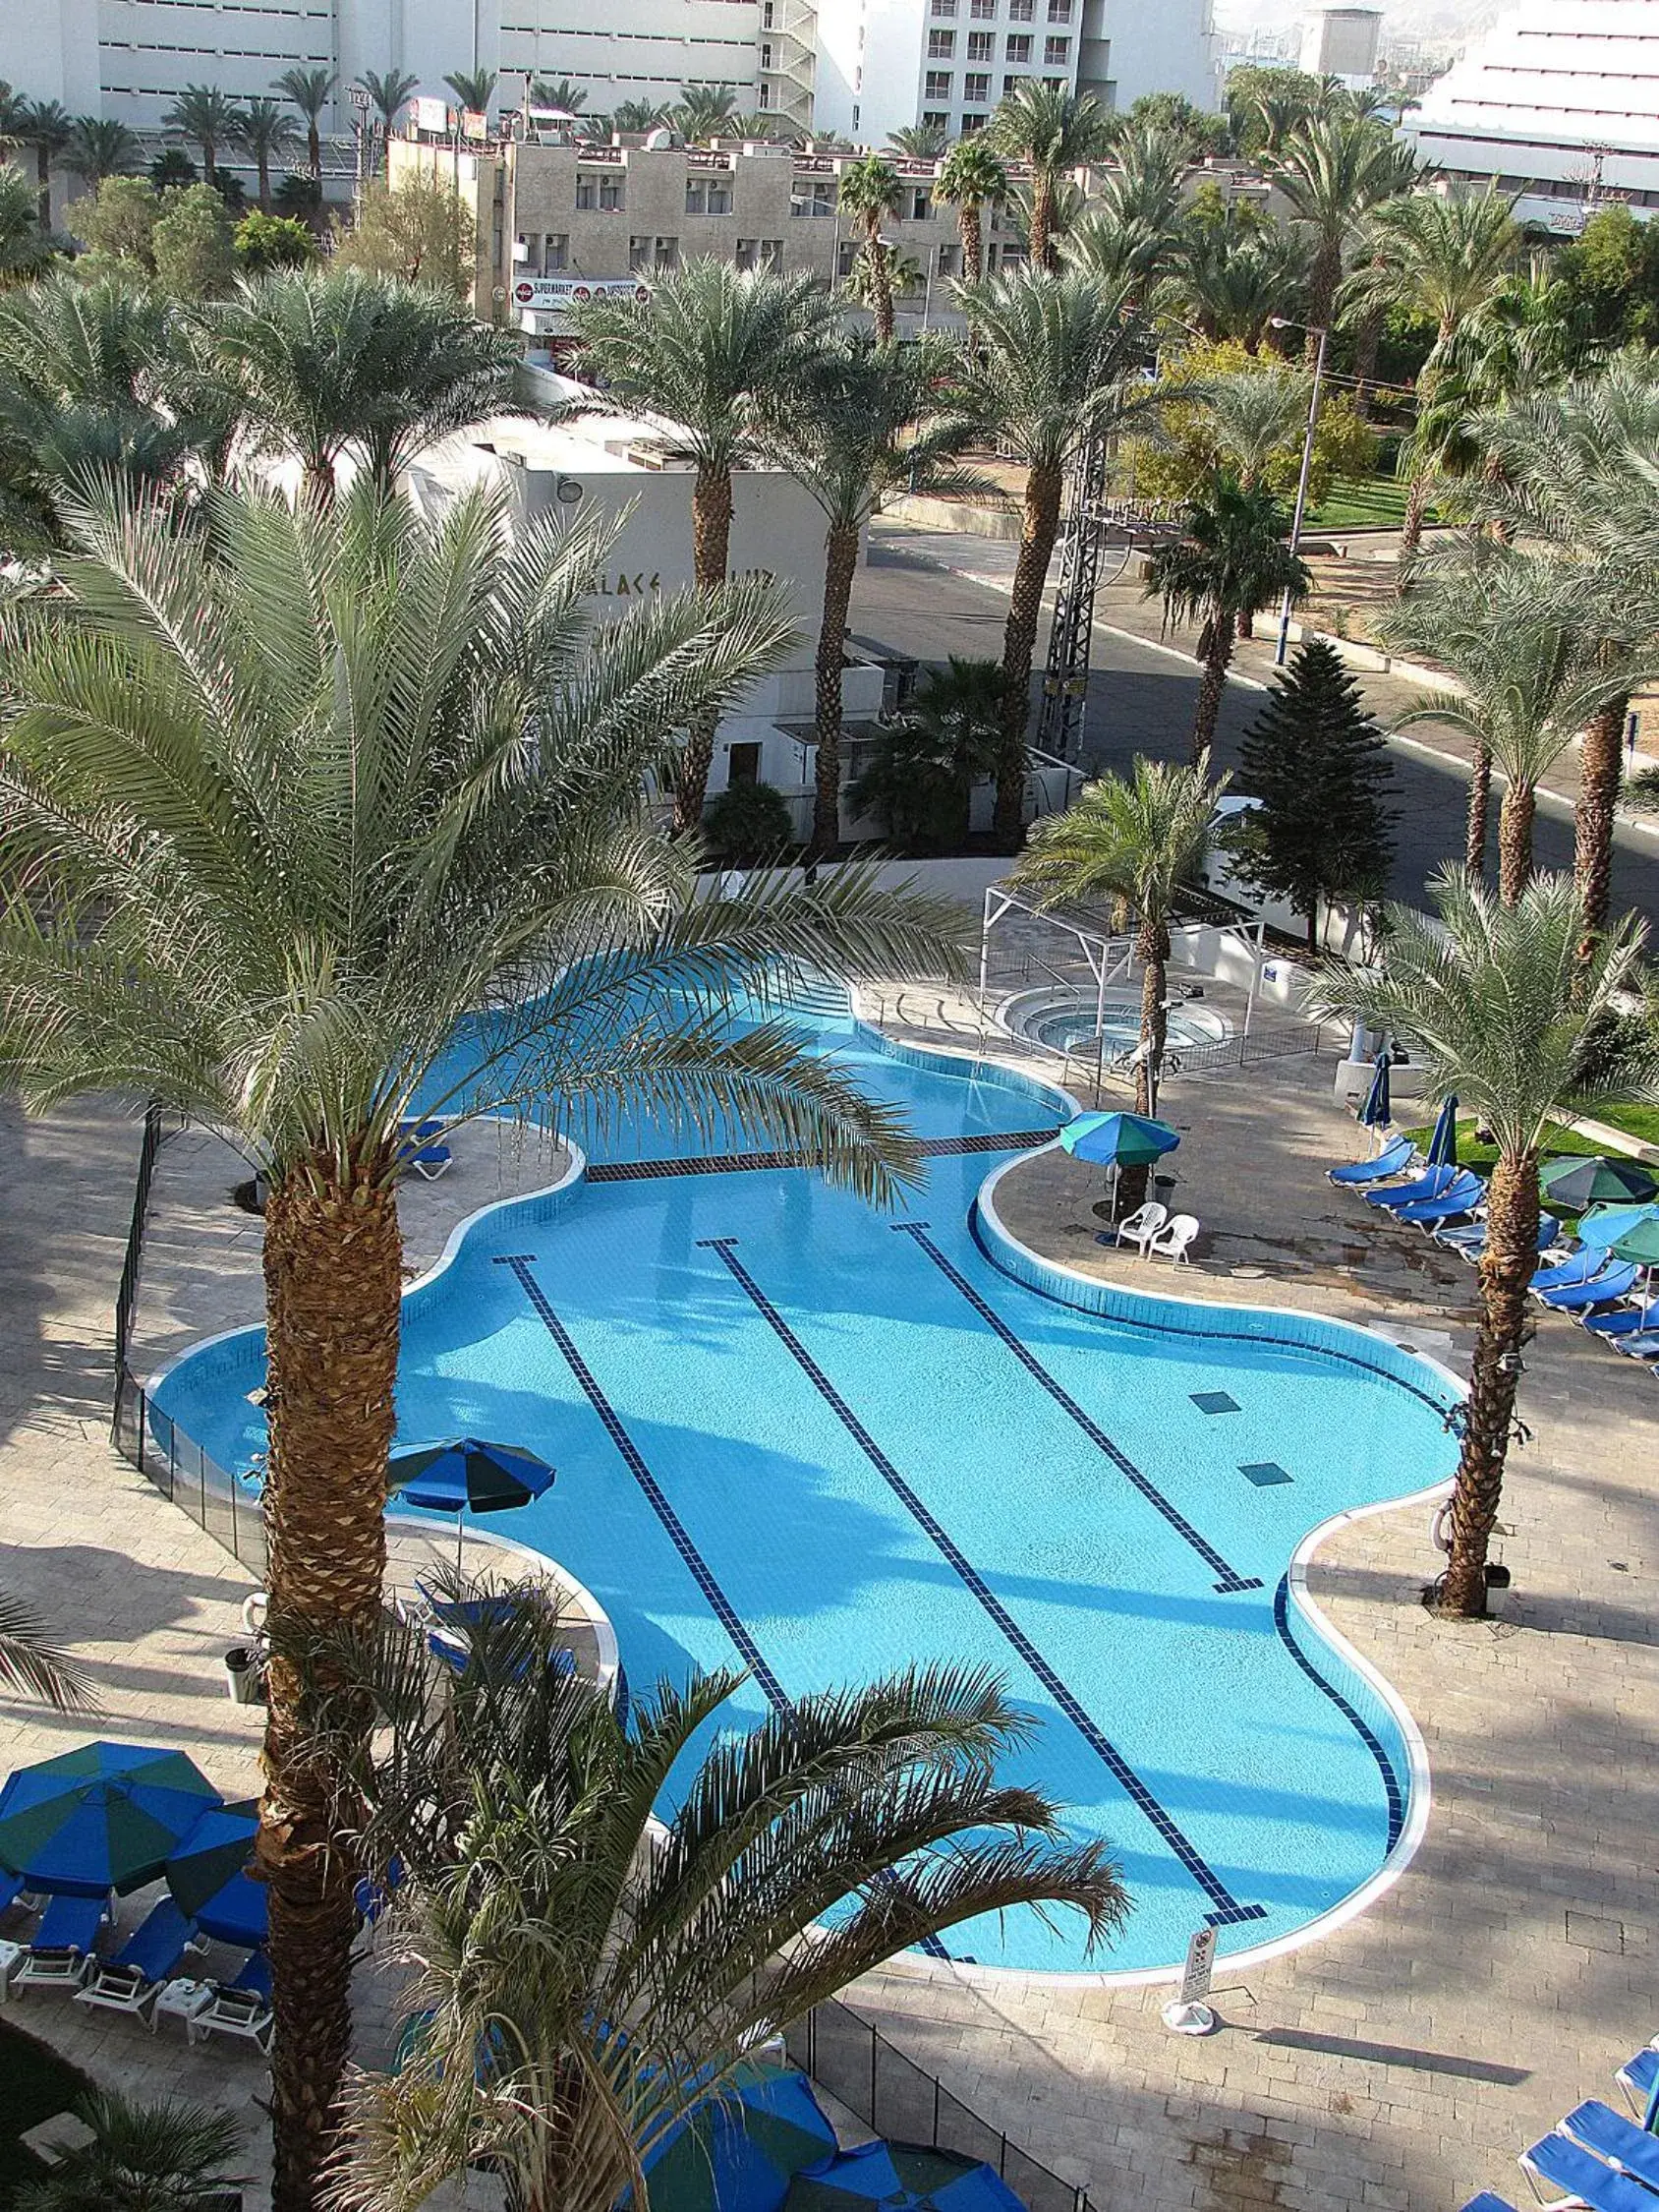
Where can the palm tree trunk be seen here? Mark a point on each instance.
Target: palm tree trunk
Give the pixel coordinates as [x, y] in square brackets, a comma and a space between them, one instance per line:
[1019, 638]
[840, 562]
[1367, 343]
[1480, 806]
[333, 1282]
[973, 253]
[313, 150]
[1488, 1413]
[43, 178]
[1152, 950]
[1322, 282]
[1514, 840]
[710, 553]
[263, 159]
[1412, 526]
[1599, 773]
[880, 282]
[1211, 685]
[209, 160]
[1040, 244]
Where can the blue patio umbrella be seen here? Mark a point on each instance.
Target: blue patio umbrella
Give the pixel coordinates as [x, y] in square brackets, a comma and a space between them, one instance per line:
[900, 2174]
[1376, 1113]
[462, 1475]
[1117, 1141]
[1443, 1144]
[738, 2152]
[103, 1817]
[1605, 1225]
[208, 1874]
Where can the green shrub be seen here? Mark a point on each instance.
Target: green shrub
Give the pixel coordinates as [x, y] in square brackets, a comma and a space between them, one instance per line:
[749, 823]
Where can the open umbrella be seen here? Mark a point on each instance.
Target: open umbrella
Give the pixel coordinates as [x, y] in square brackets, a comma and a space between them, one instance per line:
[208, 1874]
[1605, 1225]
[893, 2174]
[1641, 1243]
[737, 2152]
[462, 1475]
[1117, 1141]
[1579, 1183]
[1443, 1144]
[100, 1818]
[1376, 1112]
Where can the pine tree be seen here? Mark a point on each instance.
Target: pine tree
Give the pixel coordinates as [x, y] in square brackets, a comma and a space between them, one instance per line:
[1319, 765]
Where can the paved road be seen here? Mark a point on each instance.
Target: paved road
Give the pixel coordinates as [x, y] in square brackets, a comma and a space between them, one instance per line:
[918, 595]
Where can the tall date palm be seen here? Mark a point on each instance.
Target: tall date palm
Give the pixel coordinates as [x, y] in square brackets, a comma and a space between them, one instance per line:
[100, 148]
[1053, 130]
[309, 90]
[311, 787]
[267, 132]
[203, 116]
[1503, 1008]
[870, 192]
[971, 179]
[712, 350]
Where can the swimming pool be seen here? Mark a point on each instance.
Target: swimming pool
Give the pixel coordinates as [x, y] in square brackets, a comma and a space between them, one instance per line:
[818, 1442]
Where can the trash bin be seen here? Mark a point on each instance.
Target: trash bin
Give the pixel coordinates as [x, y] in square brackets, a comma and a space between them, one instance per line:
[242, 1674]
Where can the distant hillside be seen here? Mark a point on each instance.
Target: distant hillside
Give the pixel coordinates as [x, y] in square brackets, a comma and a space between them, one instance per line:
[1414, 18]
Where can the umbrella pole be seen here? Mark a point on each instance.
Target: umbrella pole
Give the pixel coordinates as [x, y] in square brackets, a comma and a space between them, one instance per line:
[460, 1527]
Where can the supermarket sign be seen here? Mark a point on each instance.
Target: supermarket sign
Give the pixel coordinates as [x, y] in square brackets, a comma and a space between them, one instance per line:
[550, 293]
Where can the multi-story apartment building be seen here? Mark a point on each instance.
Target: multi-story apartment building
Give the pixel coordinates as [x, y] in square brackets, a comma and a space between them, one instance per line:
[1560, 102]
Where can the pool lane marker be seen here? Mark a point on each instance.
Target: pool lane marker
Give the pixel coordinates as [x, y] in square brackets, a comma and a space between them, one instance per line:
[1394, 1796]
[1229, 1580]
[1225, 1910]
[719, 1604]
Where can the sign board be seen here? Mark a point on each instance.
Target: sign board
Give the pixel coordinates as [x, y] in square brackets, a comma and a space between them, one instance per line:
[474, 124]
[1200, 1960]
[547, 292]
[431, 115]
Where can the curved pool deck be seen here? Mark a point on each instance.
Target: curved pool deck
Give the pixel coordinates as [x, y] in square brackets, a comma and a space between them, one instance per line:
[818, 1442]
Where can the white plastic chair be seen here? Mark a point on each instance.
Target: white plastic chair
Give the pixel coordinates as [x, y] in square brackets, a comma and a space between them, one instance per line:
[1171, 1243]
[1143, 1225]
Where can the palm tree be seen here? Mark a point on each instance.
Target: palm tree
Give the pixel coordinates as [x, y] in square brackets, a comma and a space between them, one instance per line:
[1233, 277]
[919, 775]
[1574, 469]
[870, 193]
[568, 98]
[311, 91]
[32, 1665]
[970, 179]
[1143, 185]
[1139, 839]
[585, 1975]
[1229, 561]
[100, 148]
[1057, 366]
[388, 96]
[26, 250]
[203, 116]
[639, 118]
[1442, 257]
[1055, 131]
[864, 424]
[754, 122]
[1536, 649]
[1279, 115]
[710, 354]
[1504, 1010]
[322, 364]
[474, 89]
[1115, 251]
[1252, 417]
[47, 126]
[1334, 169]
[705, 112]
[311, 787]
[919, 142]
[164, 2157]
[268, 133]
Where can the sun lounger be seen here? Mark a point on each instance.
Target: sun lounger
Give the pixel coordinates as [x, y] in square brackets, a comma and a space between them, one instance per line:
[1488, 2201]
[1461, 1197]
[1431, 1185]
[1644, 1344]
[421, 1147]
[240, 2008]
[1638, 2077]
[1395, 1158]
[1468, 1239]
[1623, 1321]
[1577, 1267]
[1142, 1225]
[1598, 1290]
[1616, 2141]
[150, 1958]
[1565, 2165]
[62, 1946]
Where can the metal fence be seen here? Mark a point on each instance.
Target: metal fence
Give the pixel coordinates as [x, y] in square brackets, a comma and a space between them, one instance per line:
[900, 2100]
[127, 1295]
[187, 1476]
[1245, 1048]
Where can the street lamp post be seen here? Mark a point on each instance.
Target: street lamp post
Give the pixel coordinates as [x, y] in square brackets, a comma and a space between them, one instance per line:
[1281, 322]
[360, 121]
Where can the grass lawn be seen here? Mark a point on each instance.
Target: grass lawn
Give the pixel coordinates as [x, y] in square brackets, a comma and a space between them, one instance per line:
[1640, 1122]
[34, 2083]
[1369, 502]
[1482, 1159]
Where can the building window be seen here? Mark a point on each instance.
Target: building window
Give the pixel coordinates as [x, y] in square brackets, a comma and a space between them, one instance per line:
[586, 194]
[743, 764]
[944, 9]
[941, 44]
[983, 10]
[921, 205]
[771, 255]
[1056, 53]
[667, 252]
[936, 85]
[766, 15]
[935, 119]
[603, 193]
[813, 196]
[1009, 83]
[845, 254]
[766, 53]
[975, 85]
[707, 196]
[1021, 10]
[557, 257]
[748, 254]
[1059, 11]
[982, 45]
[639, 256]
[1018, 47]
[951, 256]
[973, 123]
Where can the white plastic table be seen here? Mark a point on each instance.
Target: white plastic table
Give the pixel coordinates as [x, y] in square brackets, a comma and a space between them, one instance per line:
[181, 2000]
[12, 1957]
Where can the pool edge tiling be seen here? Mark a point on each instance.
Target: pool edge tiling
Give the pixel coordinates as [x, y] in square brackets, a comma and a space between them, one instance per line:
[826, 1475]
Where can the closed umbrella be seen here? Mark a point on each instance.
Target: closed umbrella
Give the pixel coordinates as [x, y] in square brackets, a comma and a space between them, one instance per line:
[1376, 1112]
[463, 1475]
[895, 2175]
[1579, 1183]
[103, 1817]
[738, 2152]
[1443, 1144]
[208, 1876]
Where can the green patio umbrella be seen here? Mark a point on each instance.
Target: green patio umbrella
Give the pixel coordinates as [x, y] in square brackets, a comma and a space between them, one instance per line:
[1580, 1183]
[1640, 1243]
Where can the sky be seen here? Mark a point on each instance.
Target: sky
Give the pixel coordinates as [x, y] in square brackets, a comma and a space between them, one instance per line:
[1418, 19]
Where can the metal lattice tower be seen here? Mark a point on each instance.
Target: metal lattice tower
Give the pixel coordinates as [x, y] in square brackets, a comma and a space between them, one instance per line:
[1066, 678]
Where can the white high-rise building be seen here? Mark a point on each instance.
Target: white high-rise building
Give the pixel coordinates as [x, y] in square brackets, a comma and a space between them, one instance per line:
[1559, 104]
[1342, 42]
[882, 64]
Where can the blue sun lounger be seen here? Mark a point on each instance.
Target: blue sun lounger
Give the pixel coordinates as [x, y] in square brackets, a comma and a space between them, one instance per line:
[1638, 2077]
[1434, 1184]
[1395, 1158]
[62, 1945]
[421, 1146]
[151, 1956]
[1643, 1345]
[1565, 2165]
[1616, 2141]
[1468, 1239]
[1628, 1320]
[1598, 1290]
[1488, 2201]
[1461, 1197]
[1577, 1267]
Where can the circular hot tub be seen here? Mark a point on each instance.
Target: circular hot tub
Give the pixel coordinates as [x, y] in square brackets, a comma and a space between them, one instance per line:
[1066, 1021]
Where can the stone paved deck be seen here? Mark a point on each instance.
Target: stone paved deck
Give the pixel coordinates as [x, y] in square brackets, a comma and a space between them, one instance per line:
[1398, 2063]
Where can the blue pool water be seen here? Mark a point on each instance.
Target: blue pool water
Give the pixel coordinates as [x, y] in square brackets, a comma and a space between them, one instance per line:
[799, 1436]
